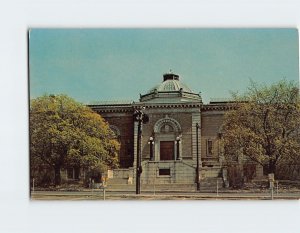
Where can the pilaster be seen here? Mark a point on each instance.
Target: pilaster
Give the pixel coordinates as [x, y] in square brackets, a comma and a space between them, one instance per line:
[135, 137]
[196, 118]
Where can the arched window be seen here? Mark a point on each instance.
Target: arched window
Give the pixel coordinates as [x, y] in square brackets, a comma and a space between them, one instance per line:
[160, 124]
[116, 131]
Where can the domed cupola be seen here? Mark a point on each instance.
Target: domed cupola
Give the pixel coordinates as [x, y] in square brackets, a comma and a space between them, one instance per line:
[170, 90]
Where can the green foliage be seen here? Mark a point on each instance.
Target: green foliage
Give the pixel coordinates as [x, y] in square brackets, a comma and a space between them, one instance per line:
[264, 125]
[65, 133]
[288, 171]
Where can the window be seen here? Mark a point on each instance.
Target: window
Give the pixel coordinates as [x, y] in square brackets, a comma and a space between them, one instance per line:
[164, 172]
[73, 173]
[70, 173]
[209, 147]
[166, 129]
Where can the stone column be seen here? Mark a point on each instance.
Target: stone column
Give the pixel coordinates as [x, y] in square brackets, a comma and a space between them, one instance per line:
[135, 136]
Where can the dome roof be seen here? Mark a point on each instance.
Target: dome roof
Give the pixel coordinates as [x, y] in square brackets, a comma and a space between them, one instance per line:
[171, 83]
[172, 89]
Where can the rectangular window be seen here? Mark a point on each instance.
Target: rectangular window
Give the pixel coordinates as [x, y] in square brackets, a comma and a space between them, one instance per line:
[70, 173]
[76, 173]
[164, 172]
[209, 147]
[73, 173]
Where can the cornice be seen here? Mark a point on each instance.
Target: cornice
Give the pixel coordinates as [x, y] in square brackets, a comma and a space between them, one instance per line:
[108, 109]
[130, 108]
[223, 107]
[173, 105]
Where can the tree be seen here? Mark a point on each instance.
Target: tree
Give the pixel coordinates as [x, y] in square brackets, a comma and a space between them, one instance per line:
[264, 125]
[66, 133]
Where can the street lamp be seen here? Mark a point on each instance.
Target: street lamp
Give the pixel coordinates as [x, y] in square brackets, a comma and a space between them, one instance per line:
[140, 117]
[197, 146]
[151, 143]
[177, 148]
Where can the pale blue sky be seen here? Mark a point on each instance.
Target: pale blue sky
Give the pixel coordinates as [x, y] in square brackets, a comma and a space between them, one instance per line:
[119, 64]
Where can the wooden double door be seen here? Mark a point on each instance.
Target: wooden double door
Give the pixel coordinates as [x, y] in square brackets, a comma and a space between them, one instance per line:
[167, 150]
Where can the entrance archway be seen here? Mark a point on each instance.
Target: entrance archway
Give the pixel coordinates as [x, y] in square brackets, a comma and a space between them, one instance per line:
[166, 130]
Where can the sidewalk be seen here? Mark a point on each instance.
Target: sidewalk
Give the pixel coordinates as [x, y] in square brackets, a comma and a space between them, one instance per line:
[98, 195]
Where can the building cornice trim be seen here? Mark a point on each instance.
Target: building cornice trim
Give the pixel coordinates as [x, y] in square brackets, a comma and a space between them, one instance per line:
[217, 107]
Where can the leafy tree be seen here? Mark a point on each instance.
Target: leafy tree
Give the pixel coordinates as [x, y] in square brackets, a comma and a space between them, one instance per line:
[66, 133]
[264, 125]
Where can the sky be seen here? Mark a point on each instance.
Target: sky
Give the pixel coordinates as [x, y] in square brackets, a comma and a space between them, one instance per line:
[119, 64]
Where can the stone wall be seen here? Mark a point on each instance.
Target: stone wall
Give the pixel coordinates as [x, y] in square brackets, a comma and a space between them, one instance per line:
[122, 173]
[180, 172]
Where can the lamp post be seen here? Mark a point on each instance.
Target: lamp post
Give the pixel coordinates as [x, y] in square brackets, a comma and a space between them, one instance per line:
[177, 148]
[151, 143]
[197, 147]
[140, 117]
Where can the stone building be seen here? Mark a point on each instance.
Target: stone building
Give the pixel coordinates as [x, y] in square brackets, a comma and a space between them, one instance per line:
[173, 110]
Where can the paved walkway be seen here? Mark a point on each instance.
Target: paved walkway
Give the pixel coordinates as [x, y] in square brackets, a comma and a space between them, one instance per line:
[111, 195]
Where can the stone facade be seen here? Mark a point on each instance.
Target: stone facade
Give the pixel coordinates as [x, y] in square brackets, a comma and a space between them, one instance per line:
[173, 110]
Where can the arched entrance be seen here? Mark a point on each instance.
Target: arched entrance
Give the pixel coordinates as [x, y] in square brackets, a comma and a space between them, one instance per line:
[166, 130]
